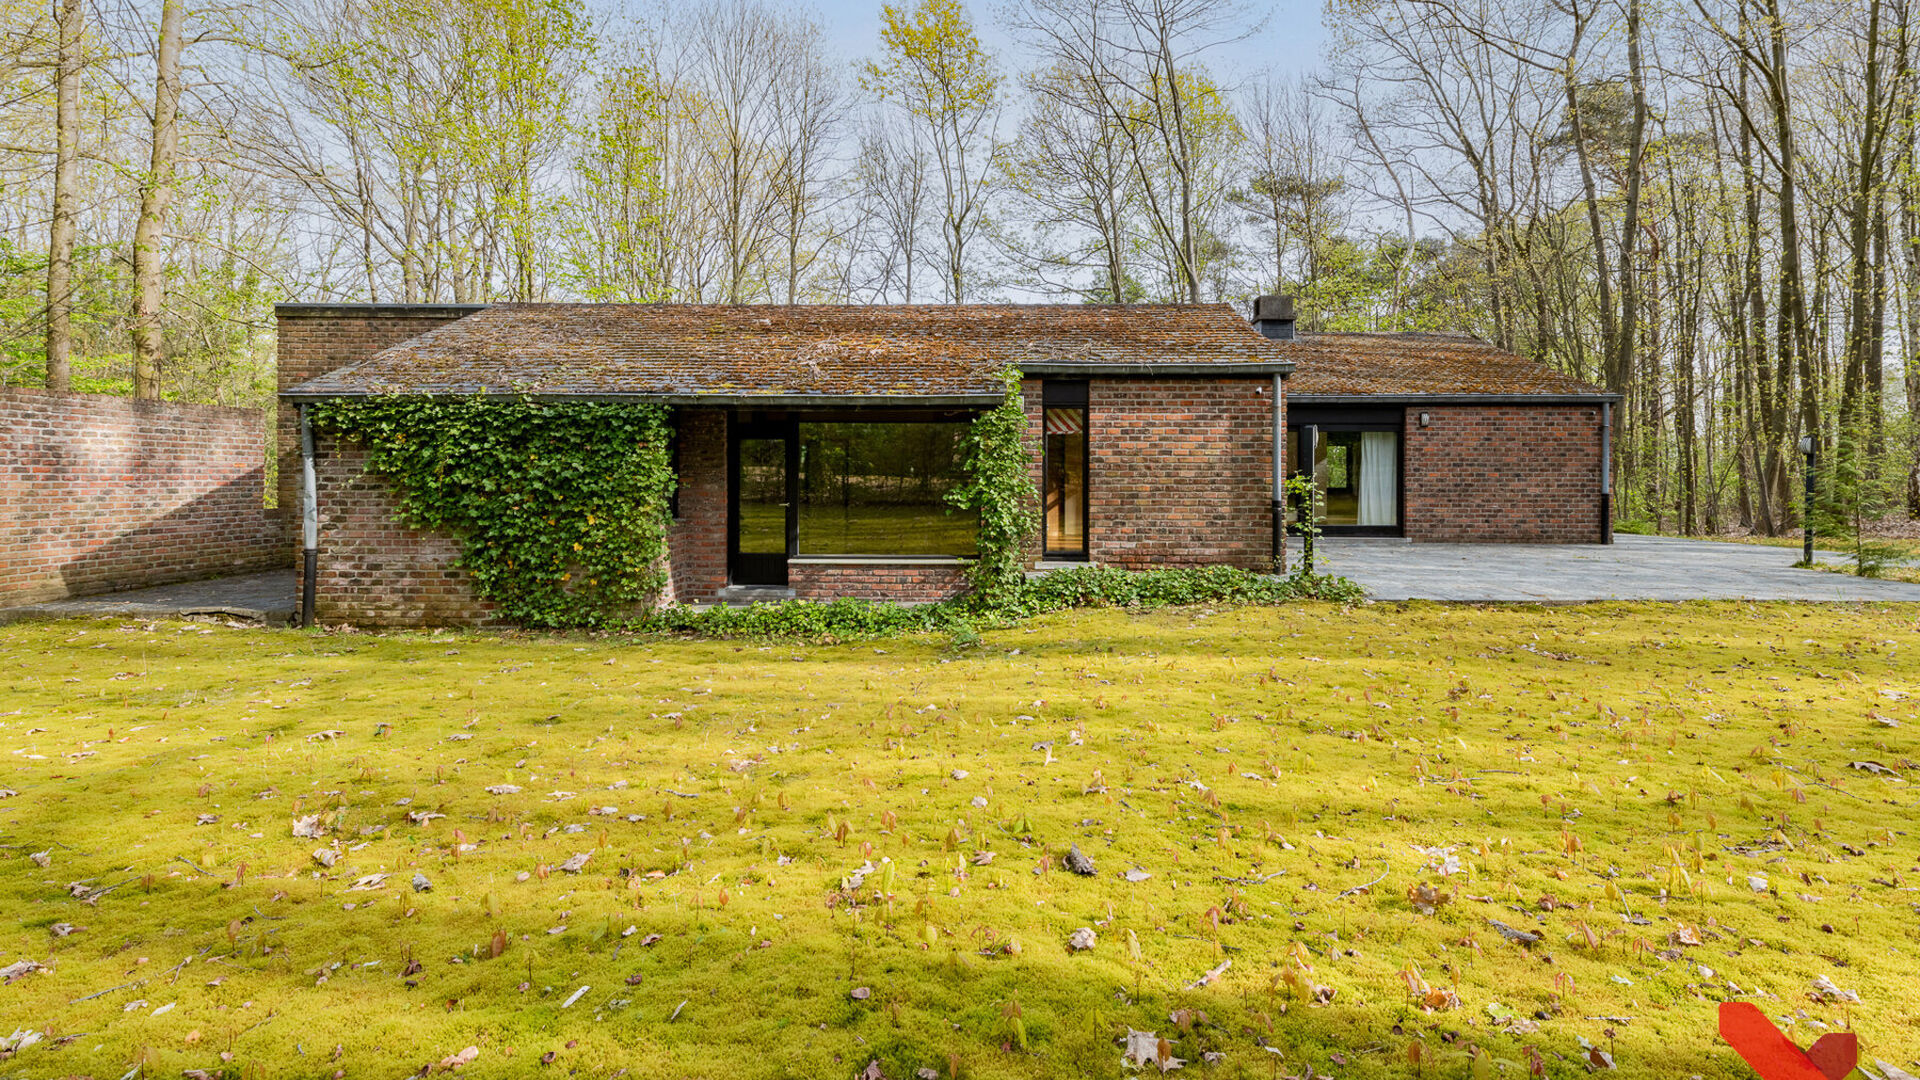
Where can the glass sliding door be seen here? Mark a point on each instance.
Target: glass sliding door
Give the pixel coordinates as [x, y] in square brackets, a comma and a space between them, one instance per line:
[1065, 465]
[1355, 468]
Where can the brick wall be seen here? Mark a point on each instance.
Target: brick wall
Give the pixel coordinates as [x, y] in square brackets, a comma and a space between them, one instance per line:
[317, 338]
[1181, 471]
[904, 582]
[374, 570]
[697, 542]
[1513, 473]
[99, 493]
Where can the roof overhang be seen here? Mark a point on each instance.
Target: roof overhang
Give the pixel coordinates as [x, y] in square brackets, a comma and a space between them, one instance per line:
[757, 401]
[1301, 398]
[376, 311]
[1083, 370]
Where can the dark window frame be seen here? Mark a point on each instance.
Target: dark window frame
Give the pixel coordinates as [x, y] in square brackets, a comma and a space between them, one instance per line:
[1353, 419]
[1067, 394]
[798, 485]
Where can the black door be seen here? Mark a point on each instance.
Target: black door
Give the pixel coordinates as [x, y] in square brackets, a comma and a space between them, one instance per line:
[763, 523]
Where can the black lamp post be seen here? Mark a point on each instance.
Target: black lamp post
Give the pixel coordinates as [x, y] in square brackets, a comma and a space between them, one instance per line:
[1811, 449]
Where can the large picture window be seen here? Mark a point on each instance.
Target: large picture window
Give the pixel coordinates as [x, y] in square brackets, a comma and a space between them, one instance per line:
[881, 489]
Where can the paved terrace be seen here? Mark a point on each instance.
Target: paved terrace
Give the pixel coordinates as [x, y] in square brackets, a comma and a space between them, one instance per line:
[1632, 568]
[271, 597]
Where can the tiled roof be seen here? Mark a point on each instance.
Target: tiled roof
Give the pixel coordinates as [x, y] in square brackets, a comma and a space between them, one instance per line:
[735, 352]
[1351, 365]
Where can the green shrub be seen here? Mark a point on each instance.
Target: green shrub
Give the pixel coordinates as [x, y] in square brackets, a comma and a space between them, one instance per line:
[1059, 590]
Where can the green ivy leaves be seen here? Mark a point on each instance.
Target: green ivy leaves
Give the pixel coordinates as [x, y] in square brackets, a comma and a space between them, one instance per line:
[560, 507]
[1000, 487]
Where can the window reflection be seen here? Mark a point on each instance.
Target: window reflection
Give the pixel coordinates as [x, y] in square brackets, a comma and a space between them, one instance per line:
[880, 489]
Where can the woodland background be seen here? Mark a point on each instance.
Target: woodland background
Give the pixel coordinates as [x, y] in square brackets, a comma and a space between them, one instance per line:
[1708, 206]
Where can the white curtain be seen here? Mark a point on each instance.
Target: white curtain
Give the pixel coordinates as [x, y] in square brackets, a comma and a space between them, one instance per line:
[1379, 478]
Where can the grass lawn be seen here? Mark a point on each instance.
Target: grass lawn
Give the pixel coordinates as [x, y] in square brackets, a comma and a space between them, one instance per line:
[1908, 551]
[1664, 794]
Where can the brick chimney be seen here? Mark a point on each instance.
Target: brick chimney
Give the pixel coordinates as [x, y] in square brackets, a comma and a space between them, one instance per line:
[1273, 317]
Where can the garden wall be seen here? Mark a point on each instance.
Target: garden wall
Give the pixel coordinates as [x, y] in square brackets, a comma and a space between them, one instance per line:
[101, 493]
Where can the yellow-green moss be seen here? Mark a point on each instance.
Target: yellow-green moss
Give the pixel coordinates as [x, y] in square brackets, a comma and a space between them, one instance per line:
[1264, 765]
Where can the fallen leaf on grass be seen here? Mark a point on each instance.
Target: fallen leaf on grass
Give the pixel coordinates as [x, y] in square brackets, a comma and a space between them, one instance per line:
[18, 968]
[1824, 989]
[1079, 863]
[370, 881]
[1146, 1048]
[455, 1061]
[503, 789]
[1208, 978]
[325, 856]
[1081, 940]
[1136, 875]
[42, 859]
[1439, 999]
[1425, 898]
[421, 817]
[309, 826]
[576, 863]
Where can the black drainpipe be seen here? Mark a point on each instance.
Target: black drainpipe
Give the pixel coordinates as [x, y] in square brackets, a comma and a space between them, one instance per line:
[1279, 473]
[1606, 473]
[309, 521]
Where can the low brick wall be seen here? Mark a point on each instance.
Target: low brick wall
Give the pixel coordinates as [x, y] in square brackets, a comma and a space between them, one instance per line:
[99, 493]
[904, 582]
[374, 570]
[1504, 473]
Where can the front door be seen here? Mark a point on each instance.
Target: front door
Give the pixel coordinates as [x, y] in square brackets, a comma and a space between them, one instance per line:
[762, 527]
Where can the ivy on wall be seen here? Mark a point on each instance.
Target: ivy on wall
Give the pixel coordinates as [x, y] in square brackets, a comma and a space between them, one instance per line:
[1000, 486]
[560, 507]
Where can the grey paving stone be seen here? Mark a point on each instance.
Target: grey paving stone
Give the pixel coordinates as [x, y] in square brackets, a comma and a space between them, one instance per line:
[1631, 568]
[272, 597]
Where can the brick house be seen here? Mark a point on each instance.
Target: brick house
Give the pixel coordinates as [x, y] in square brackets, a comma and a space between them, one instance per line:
[815, 445]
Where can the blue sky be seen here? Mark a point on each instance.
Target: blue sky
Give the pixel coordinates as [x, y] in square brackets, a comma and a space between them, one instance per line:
[1290, 40]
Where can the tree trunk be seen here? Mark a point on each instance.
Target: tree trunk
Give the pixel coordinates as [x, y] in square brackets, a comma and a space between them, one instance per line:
[156, 193]
[66, 176]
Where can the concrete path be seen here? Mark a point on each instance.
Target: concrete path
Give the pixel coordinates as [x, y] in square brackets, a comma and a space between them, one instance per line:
[1632, 568]
[272, 597]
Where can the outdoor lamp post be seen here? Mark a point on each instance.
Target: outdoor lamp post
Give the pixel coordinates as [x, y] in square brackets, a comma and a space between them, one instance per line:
[1810, 449]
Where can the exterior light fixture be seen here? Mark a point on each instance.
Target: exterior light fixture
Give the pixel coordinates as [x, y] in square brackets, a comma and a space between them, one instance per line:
[1812, 450]
[1426, 419]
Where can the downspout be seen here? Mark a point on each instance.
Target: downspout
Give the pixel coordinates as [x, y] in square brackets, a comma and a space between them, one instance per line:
[309, 521]
[1606, 473]
[1279, 474]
